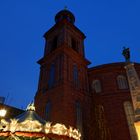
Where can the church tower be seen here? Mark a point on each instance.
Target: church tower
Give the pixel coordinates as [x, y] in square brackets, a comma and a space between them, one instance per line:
[63, 92]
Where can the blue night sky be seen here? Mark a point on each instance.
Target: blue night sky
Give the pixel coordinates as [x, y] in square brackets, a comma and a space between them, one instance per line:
[108, 25]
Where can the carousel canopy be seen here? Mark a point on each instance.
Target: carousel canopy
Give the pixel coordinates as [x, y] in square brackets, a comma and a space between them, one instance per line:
[29, 124]
[30, 115]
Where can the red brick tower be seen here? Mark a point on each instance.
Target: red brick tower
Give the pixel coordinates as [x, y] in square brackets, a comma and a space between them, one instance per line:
[63, 92]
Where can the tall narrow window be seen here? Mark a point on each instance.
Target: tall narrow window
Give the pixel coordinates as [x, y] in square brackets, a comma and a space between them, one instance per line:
[75, 75]
[48, 111]
[60, 67]
[79, 116]
[54, 44]
[73, 44]
[122, 82]
[51, 76]
[130, 119]
[96, 86]
[101, 123]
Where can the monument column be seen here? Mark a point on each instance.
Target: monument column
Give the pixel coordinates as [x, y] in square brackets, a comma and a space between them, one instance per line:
[134, 85]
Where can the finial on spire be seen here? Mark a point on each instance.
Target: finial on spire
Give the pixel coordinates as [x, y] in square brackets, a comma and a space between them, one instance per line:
[126, 54]
[31, 107]
[65, 7]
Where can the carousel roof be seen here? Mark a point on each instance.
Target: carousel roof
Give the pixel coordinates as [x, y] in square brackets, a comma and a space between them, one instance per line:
[30, 124]
[31, 115]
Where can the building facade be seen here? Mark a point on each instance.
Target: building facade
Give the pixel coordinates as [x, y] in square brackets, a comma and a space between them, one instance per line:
[9, 111]
[95, 100]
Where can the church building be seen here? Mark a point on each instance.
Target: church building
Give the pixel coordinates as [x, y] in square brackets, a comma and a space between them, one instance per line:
[95, 100]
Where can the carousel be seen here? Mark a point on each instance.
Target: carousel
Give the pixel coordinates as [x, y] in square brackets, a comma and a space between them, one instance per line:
[30, 126]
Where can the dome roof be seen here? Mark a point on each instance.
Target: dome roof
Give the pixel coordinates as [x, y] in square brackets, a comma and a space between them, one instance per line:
[65, 14]
[31, 115]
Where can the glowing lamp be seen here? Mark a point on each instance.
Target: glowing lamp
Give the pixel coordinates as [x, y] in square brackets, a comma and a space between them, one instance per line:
[137, 126]
[3, 112]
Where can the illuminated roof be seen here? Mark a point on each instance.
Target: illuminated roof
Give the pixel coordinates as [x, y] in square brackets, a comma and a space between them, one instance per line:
[30, 123]
[30, 115]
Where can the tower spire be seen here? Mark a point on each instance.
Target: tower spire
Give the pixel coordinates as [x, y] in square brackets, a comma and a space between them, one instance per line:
[65, 7]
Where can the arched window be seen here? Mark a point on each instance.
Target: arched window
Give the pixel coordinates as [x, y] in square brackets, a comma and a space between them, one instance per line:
[122, 82]
[51, 76]
[79, 117]
[75, 75]
[48, 111]
[96, 86]
[130, 119]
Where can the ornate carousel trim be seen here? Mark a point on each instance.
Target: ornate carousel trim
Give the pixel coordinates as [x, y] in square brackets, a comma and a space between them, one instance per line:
[30, 124]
